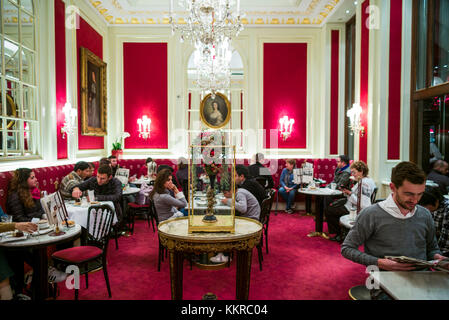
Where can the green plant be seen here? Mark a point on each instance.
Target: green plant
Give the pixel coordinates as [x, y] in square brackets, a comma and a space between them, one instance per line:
[117, 145]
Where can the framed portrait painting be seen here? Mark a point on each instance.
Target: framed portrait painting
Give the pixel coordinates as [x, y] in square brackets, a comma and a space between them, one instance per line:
[93, 95]
[215, 112]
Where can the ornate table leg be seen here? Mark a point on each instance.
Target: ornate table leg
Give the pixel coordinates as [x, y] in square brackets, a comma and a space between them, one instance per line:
[319, 208]
[176, 273]
[243, 274]
[40, 274]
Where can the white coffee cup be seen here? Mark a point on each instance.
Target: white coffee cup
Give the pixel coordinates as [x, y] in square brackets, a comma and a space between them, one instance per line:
[352, 215]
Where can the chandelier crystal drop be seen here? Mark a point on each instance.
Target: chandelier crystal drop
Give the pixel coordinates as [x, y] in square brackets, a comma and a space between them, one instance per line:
[210, 27]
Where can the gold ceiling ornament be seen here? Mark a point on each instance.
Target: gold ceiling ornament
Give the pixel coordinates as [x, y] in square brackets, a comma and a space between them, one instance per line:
[160, 16]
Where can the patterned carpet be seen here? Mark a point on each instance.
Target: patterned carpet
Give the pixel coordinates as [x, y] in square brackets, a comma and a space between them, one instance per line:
[296, 268]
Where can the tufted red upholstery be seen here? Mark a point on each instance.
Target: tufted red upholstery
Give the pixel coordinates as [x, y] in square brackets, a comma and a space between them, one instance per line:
[78, 254]
[324, 169]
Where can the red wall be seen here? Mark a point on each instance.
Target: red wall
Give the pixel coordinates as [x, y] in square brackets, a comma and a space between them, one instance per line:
[364, 82]
[145, 93]
[60, 70]
[87, 37]
[394, 94]
[335, 70]
[285, 91]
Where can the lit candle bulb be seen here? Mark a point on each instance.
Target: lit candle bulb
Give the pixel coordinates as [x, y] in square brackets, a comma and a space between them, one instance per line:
[139, 122]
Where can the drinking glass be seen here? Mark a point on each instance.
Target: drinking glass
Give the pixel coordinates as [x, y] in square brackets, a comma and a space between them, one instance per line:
[352, 213]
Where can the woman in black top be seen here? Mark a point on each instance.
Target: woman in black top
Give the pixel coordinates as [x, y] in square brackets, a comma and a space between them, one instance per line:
[20, 203]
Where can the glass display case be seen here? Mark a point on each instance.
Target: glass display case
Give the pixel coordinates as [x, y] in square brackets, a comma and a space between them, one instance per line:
[211, 186]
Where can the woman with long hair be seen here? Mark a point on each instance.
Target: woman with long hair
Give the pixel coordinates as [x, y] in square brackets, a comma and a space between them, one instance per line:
[166, 205]
[21, 204]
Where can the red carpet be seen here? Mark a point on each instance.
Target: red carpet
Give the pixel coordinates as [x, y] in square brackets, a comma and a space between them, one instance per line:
[296, 268]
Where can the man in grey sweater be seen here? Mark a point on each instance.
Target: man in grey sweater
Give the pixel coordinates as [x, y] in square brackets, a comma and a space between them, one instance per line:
[396, 226]
[245, 203]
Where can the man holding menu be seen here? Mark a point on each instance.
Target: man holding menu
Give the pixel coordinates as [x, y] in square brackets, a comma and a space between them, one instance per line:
[396, 226]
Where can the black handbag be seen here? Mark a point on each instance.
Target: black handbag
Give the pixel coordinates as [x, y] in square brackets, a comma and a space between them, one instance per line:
[338, 203]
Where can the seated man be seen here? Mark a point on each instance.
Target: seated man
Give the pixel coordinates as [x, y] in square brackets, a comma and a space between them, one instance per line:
[342, 173]
[105, 186]
[438, 175]
[80, 172]
[92, 170]
[247, 206]
[148, 170]
[396, 226]
[114, 164]
[439, 208]
[259, 172]
[242, 181]
[288, 187]
[245, 203]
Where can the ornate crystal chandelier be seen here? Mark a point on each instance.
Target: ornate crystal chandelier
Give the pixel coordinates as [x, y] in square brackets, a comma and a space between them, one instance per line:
[210, 27]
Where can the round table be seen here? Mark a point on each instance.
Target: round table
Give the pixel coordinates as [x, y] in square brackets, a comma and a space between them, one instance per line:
[139, 182]
[346, 222]
[173, 235]
[38, 245]
[78, 213]
[320, 194]
[130, 190]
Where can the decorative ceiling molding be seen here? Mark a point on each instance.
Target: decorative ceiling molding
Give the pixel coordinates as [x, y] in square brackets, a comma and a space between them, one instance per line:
[278, 13]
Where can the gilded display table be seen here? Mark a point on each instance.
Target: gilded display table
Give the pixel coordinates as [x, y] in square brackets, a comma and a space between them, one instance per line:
[174, 236]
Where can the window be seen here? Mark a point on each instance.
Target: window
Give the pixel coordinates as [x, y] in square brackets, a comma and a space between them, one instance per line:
[429, 116]
[350, 84]
[18, 112]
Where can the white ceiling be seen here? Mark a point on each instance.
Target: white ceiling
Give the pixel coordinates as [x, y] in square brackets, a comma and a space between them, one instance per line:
[309, 13]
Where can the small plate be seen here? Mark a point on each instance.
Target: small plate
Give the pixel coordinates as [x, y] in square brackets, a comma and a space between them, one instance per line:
[42, 231]
[12, 238]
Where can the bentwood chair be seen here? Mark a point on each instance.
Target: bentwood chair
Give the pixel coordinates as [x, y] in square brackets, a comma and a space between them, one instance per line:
[373, 195]
[92, 256]
[162, 250]
[264, 218]
[135, 209]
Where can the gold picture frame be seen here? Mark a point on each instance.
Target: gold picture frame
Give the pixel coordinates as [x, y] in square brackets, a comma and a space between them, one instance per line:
[11, 111]
[93, 95]
[219, 117]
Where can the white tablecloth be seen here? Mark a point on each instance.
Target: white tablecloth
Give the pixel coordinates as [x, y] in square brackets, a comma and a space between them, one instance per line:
[79, 213]
[144, 180]
[130, 190]
[320, 192]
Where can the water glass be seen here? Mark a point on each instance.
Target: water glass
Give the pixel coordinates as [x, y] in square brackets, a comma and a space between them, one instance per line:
[333, 185]
[352, 214]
